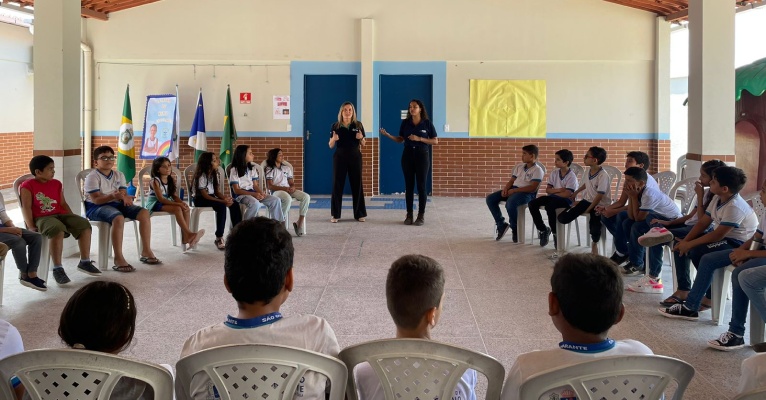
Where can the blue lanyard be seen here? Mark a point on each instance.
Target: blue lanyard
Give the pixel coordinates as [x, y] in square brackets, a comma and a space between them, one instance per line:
[600, 347]
[236, 323]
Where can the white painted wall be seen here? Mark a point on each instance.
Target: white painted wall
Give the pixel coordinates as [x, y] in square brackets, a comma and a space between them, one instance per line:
[16, 102]
[597, 57]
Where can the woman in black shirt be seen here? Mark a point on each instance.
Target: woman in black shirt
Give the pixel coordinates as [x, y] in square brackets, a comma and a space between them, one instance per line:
[348, 135]
[417, 133]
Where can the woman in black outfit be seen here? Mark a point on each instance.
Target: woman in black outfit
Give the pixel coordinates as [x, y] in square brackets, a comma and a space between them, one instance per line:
[417, 132]
[348, 136]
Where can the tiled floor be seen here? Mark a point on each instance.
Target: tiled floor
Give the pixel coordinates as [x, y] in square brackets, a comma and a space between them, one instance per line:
[495, 302]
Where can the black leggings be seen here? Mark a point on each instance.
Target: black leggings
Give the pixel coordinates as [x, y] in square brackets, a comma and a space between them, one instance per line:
[571, 214]
[551, 203]
[347, 161]
[220, 213]
[415, 165]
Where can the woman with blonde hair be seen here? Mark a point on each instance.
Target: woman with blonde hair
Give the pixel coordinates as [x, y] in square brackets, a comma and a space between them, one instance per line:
[348, 138]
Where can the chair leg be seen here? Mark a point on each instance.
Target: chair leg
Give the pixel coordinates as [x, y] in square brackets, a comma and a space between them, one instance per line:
[577, 230]
[756, 327]
[521, 223]
[138, 237]
[45, 259]
[721, 282]
[173, 230]
[562, 233]
[2, 278]
[104, 245]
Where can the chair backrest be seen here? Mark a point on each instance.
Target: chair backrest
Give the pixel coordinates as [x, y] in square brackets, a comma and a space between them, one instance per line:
[189, 180]
[665, 180]
[78, 374]
[689, 199]
[758, 394]
[146, 172]
[579, 172]
[17, 183]
[614, 172]
[620, 377]
[681, 167]
[417, 368]
[758, 206]
[258, 371]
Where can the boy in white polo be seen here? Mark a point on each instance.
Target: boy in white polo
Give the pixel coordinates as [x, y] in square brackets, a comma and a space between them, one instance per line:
[561, 184]
[520, 190]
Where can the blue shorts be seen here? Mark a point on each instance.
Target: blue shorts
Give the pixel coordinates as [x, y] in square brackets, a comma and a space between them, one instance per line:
[108, 212]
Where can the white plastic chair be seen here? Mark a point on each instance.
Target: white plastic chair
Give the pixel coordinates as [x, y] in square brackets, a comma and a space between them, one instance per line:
[620, 377]
[681, 171]
[722, 276]
[104, 228]
[266, 190]
[418, 368]
[78, 374]
[197, 211]
[143, 193]
[45, 248]
[2, 278]
[258, 371]
[665, 180]
[758, 394]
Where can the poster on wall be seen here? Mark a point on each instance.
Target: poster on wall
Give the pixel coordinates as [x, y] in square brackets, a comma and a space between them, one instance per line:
[281, 107]
[159, 126]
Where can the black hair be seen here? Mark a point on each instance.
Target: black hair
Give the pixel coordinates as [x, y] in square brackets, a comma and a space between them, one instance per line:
[598, 153]
[259, 254]
[415, 284]
[589, 291]
[531, 149]
[205, 167]
[731, 177]
[636, 173]
[423, 112]
[156, 164]
[39, 163]
[239, 161]
[101, 316]
[102, 150]
[641, 158]
[565, 156]
[708, 167]
[271, 157]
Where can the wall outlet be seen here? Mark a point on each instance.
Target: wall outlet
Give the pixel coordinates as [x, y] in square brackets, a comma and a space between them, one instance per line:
[289, 128]
[446, 127]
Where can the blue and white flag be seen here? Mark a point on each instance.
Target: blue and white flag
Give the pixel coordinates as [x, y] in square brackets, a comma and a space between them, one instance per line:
[197, 136]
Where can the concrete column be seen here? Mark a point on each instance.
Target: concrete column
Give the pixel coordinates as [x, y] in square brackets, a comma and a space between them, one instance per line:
[367, 53]
[711, 81]
[57, 92]
[662, 93]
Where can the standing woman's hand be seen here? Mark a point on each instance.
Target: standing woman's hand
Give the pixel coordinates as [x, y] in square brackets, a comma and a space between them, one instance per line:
[414, 138]
[384, 132]
[359, 135]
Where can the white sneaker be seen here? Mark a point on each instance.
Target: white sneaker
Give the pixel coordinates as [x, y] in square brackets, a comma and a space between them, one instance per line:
[655, 236]
[647, 284]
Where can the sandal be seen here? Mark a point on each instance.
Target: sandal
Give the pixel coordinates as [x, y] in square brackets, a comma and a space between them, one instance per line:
[123, 268]
[197, 237]
[220, 244]
[297, 228]
[361, 219]
[670, 301]
[334, 220]
[150, 260]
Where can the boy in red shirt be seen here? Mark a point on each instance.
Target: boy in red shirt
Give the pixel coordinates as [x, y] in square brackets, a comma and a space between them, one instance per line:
[46, 211]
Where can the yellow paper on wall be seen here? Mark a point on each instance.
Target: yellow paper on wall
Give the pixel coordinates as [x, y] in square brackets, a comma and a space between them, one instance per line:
[502, 108]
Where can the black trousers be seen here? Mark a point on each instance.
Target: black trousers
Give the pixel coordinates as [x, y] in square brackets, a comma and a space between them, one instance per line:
[347, 161]
[220, 213]
[551, 203]
[594, 226]
[415, 164]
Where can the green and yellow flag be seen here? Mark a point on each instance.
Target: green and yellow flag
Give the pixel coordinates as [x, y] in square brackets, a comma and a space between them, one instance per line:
[229, 133]
[126, 154]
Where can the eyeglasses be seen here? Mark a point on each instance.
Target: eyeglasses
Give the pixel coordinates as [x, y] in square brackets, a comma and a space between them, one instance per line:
[112, 158]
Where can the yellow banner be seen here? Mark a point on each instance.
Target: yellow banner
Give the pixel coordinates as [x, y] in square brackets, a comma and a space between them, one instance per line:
[507, 108]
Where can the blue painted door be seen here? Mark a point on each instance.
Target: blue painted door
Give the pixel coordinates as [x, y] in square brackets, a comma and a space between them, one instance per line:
[323, 95]
[396, 91]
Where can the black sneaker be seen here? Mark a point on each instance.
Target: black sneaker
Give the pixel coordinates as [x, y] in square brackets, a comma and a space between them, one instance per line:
[420, 220]
[631, 269]
[501, 230]
[727, 342]
[618, 259]
[545, 236]
[34, 283]
[759, 347]
[514, 236]
[87, 267]
[679, 311]
[408, 219]
[60, 276]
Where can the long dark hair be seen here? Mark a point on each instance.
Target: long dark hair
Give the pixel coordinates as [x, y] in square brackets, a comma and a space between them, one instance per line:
[205, 167]
[271, 157]
[240, 159]
[423, 112]
[156, 164]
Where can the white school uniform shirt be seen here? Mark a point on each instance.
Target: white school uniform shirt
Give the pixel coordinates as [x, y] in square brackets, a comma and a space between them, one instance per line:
[4, 218]
[304, 331]
[163, 187]
[762, 225]
[735, 213]
[654, 201]
[205, 183]
[10, 340]
[246, 181]
[534, 362]
[526, 175]
[694, 218]
[106, 184]
[652, 183]
[369, 386]
[597, 184]
[568, 181]
[279, 176]
[753, 373]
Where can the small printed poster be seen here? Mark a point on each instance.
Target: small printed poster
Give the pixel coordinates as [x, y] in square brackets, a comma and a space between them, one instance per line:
[281, 107]
[159, 125]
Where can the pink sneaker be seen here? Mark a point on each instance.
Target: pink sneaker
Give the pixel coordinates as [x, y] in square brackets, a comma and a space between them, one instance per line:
[655, 236]
[647, 284]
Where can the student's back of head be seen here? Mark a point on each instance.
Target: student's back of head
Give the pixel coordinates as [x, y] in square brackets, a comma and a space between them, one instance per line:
[589, 291]
[415, 285]
[259, 254]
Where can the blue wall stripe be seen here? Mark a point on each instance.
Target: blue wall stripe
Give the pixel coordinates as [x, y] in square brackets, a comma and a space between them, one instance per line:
[558, 135]
[215, 134]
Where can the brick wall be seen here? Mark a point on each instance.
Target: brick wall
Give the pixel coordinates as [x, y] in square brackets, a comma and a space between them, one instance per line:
[461, 167]
[15, 153]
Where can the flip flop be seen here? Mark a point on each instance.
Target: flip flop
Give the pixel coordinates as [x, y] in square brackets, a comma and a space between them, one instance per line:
[297, 229]
[334, 220]
[123, 268]
[675, 300]
[150, 260]
[197, 237]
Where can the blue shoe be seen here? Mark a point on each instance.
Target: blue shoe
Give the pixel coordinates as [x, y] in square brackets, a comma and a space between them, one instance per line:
[34, 283]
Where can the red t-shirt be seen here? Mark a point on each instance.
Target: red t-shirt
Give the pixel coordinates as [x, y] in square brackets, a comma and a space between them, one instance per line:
[46, 197]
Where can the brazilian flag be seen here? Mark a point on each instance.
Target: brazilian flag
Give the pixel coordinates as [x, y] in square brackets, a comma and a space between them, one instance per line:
[229, 133]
